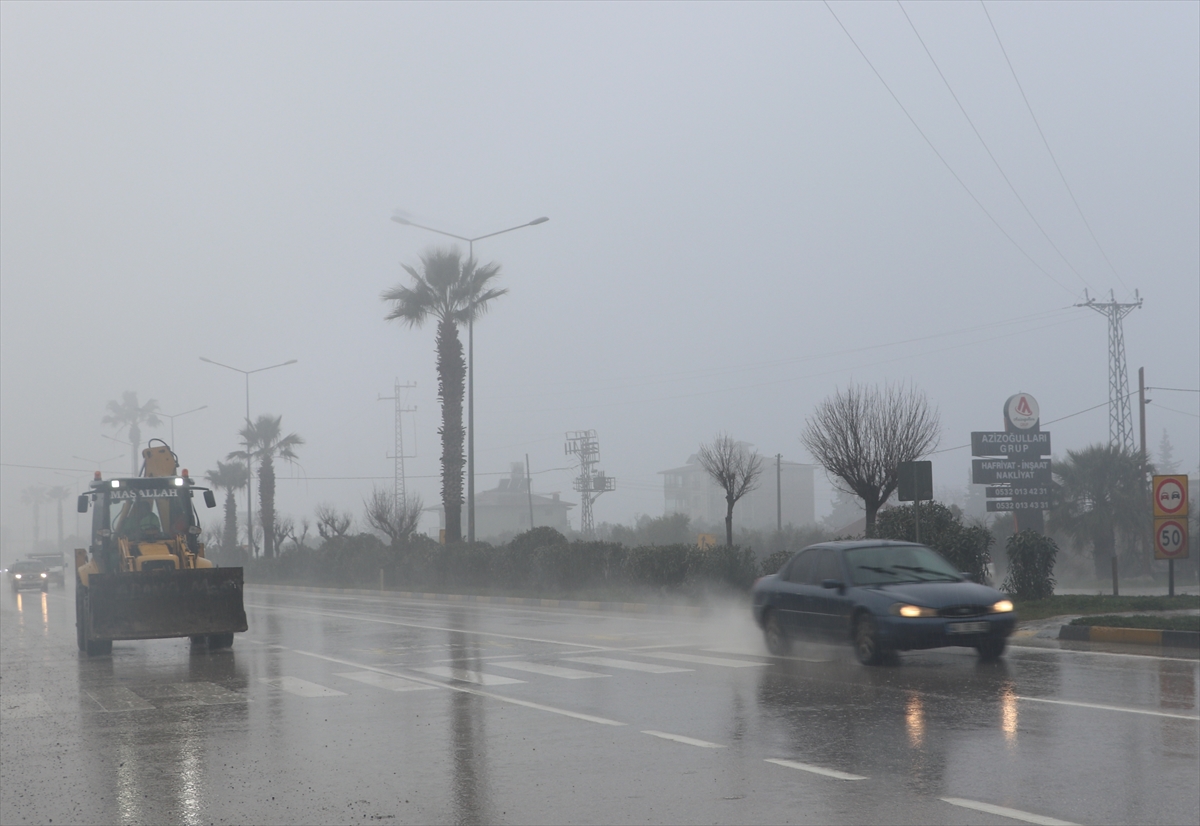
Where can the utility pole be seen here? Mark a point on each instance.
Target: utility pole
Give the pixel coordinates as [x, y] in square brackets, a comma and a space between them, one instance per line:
[398, 480]
[1120, 419]
[529, 490]
[590, 483]
[1142, 402]
[778, 493]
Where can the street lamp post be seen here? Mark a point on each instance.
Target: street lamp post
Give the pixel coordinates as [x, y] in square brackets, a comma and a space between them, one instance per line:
[249, 463]
[174, 416]
[470, 359]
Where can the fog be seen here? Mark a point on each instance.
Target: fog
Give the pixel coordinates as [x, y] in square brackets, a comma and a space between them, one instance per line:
[742, 220]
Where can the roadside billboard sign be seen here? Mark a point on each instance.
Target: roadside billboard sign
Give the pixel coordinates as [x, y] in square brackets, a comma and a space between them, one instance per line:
[1017, 491]
[1017, 506]
[1010, 471]
[1022, 444]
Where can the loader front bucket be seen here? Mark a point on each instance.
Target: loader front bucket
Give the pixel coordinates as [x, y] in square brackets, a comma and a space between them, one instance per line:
[139, 606]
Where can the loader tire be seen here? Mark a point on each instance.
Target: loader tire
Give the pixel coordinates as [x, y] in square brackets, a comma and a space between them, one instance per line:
[93, 648]
[79, 638]
[216, 641]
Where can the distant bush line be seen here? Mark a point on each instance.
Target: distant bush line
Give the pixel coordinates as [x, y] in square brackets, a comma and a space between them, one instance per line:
[541, 562]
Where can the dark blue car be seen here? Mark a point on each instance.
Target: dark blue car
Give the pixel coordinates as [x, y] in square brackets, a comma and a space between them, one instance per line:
[881, 596]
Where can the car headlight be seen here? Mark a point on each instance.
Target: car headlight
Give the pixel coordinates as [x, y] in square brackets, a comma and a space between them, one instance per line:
[901, 609]
[43, 576]
[1004, 606]
[16, 576]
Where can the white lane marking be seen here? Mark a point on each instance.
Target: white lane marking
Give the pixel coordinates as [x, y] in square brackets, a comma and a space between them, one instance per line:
[23, 706]
[377, 680]
[301, 688]
[604, 721]
[1191, 717]
[687, 741]
[467, 676]
[368, 618]
[550, 670]
[702, 660]
[1004, 811]
[118, 699]
[807, 767]
[208, 694]
[627, 665]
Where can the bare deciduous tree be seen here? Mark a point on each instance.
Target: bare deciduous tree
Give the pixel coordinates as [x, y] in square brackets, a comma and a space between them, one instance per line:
[330, 523]
[395, 521]
[860, 435]
[735, 470]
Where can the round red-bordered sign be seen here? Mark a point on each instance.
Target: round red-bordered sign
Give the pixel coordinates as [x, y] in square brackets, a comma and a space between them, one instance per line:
[1170, 498]
[1170, 538]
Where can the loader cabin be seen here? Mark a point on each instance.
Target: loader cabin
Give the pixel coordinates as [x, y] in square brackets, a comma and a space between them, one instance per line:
[143, 510]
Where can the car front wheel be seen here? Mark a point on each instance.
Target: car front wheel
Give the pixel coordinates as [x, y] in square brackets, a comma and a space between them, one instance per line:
[776, 638]
[866, 641]
[991, 649]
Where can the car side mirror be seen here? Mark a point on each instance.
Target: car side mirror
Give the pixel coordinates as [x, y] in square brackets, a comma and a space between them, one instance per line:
[833, 584]
[82, 504]
[210, 501]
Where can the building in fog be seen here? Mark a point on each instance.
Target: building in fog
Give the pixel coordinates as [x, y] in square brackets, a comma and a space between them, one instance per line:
[504, 510]
[690, 490]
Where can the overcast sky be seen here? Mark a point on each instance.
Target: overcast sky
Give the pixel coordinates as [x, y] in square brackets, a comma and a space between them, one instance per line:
[742, 220]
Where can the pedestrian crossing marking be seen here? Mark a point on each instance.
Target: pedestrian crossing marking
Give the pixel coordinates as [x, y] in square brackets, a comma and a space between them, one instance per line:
[700, 659]
[301, 688]
[374, 678]
[22, 706]
[627, 665]
[465, 676]
[118, 698]
[549, 670]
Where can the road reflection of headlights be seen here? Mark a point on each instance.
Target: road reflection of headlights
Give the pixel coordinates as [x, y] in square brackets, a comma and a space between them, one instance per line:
[1004, 606]
[901, 609]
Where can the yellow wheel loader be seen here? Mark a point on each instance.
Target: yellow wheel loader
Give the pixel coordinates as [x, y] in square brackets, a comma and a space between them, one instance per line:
[145, 575]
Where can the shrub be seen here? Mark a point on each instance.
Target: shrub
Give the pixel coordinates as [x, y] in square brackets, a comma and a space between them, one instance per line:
[1030, 565]
[967, 547]
[774, 563]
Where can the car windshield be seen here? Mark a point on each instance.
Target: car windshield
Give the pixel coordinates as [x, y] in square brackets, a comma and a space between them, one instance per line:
[903, 563]
[27, 567]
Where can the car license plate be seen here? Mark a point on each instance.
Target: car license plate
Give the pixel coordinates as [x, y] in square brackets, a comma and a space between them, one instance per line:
[967, 628]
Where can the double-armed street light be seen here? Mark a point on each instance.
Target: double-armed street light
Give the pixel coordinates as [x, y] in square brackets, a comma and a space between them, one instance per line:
[174, 416]
[249, 464]
[470, 359]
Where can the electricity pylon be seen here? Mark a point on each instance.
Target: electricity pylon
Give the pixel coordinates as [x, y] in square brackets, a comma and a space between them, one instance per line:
[1120, 417]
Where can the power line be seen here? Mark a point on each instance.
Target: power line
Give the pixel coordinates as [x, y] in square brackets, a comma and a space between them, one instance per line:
[1173, 410]
[949, 168]
[1046, 143]
[988, 149]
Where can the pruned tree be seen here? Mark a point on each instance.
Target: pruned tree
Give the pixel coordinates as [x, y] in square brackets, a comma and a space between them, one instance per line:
[734, 468]
[860, 435]
[395, 520]
[331, 523]
[284, 528]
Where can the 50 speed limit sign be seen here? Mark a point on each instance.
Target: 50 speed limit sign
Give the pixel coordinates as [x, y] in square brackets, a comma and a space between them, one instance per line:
[1170, 539]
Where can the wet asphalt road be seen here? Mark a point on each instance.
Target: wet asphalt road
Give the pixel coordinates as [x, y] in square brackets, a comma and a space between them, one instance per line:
[359, 709]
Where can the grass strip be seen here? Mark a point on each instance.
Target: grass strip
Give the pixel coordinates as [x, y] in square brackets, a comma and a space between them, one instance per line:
[1175, 623]
[1101, 604]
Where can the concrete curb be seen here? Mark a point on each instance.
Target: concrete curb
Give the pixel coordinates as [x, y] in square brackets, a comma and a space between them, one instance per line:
[1135, 636]
[583, 605]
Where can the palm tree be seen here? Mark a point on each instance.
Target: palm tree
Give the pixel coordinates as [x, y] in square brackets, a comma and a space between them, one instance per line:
[265, 440]
[1101, 493]
[454, 292]
[59, 493]
[229, 477]
[128, 414]
[35, 497]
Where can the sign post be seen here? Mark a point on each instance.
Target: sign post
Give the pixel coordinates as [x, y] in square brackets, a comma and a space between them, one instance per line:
[1014, 464]
[1170, 522]
[915, 483]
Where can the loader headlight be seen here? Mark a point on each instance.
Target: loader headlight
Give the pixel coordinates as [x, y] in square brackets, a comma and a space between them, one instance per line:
[178, 481]
[116, 483]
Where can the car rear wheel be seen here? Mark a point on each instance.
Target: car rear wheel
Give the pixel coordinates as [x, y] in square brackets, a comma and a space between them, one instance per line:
[866, 641]
[776, 638]
[991, 649]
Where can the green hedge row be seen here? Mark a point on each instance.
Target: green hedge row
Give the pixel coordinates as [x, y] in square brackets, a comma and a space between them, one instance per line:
[541, 561]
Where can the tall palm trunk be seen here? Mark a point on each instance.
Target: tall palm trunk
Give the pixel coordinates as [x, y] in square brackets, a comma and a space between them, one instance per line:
[266, 498]
[135, 439]
[452, 371]
[229, 537]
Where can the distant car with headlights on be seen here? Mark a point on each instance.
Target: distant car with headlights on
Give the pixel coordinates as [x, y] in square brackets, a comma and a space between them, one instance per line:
[882, 597]
[28, 573]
